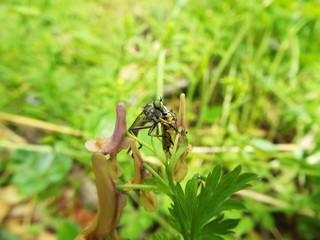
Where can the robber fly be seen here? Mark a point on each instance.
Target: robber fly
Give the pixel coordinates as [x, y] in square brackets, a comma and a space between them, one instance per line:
[153, 114]
[169, 130]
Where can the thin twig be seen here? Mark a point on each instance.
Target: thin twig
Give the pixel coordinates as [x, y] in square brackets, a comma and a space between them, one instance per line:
[40, 148]
[234, 149]
[136, 186]
[273, 201]
[35, 123]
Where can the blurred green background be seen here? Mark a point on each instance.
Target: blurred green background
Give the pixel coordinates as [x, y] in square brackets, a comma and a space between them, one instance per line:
[251, 74]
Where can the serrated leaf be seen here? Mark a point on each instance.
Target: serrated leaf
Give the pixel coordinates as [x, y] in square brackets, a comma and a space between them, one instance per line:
[195, 210]
[213, 177]
[219, 226]
[231, 204]
[243, 179]
[179, 191]
[191, 191]
[212, 197]
[215, 193]
[174, 220]
[177, 209]
[210, 186]
[212, 237]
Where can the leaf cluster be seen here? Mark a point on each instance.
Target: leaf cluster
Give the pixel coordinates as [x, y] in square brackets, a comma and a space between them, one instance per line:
[197, 210]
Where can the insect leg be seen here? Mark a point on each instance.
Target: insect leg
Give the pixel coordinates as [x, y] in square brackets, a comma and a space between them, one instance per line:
[131, 130]
[138, 128]
[170, 124]
[158, 135]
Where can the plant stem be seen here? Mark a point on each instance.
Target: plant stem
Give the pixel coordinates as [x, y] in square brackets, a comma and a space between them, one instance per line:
[137, 186]
[159, 155]
[155, 174]
[174, 159]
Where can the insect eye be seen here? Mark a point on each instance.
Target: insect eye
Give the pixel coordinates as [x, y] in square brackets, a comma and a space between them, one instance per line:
[158, 104]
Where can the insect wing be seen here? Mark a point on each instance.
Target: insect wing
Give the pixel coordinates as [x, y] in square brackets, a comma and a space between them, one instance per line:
[140, 121]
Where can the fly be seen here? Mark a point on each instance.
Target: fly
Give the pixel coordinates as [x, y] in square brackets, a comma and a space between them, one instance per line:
[169, 130]
[152, 114]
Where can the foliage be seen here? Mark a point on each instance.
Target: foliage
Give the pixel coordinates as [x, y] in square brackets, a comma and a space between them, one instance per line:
[250, 70]
[36, 172]
[196, 208]
[67, 230]
[195, 211]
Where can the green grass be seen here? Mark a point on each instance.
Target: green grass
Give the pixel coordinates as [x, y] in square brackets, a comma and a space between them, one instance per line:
[252, 70]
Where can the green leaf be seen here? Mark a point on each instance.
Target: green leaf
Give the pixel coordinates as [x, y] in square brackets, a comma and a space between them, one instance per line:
[196, 210]
[181, 206]
[231, 204]
[160, 237]
[213, 177]
[243, 179]
[191, 191]
[211, 237]
[214, 193]
[218, 226]
[67, 230]
[36, 171]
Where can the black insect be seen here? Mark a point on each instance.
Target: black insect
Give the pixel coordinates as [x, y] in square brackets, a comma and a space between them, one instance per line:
[169, 130]
[153, 114]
